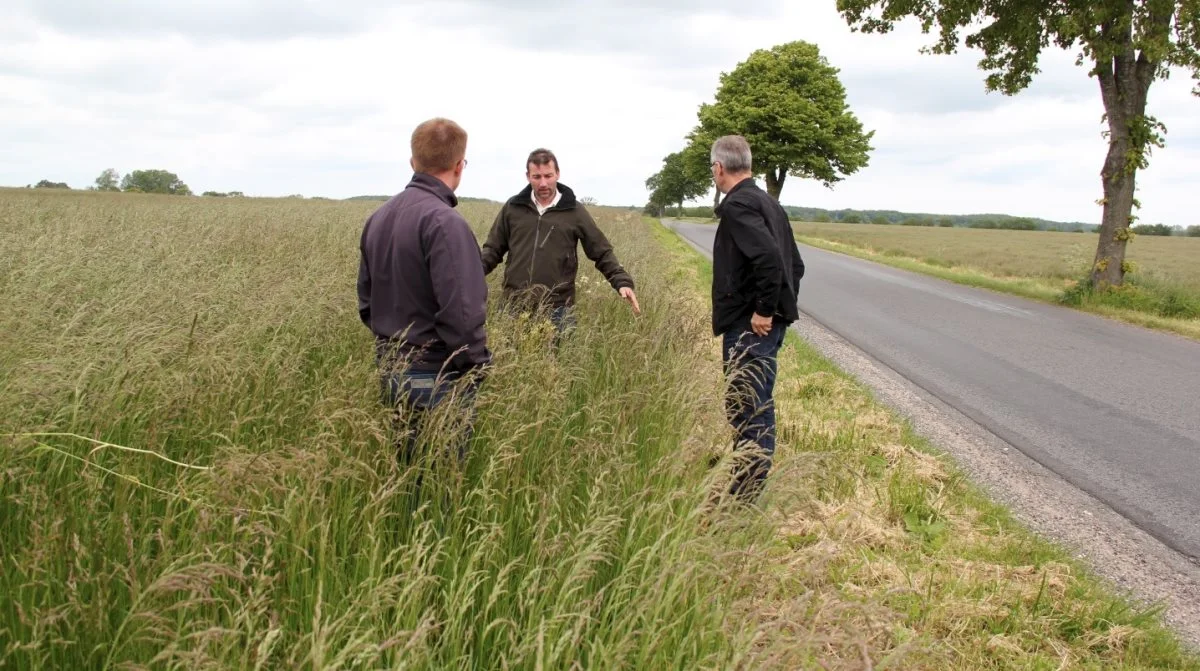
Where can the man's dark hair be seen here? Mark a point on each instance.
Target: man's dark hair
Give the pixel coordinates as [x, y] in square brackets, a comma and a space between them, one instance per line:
[541, 157]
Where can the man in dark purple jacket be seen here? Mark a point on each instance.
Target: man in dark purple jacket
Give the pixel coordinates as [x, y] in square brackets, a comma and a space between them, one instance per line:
[421, 289]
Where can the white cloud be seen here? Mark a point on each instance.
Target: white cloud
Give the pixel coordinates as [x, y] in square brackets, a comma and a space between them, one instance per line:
[319, 98]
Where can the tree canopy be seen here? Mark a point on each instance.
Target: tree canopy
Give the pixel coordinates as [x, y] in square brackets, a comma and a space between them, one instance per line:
[791, 107]
[155, 181]
[108, 180]
[684, 175]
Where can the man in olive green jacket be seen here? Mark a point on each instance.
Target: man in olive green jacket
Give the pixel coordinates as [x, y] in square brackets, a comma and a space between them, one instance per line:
[539, 230]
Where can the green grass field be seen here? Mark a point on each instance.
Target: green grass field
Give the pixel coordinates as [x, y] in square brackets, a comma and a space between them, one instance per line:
[1162, 292]
[195, 473]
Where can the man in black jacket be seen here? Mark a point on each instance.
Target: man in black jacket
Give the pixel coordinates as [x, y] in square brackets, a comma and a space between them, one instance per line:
[756, 279]
[421, 289]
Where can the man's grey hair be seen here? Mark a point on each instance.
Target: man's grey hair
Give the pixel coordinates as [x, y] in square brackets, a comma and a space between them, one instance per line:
[732, 152]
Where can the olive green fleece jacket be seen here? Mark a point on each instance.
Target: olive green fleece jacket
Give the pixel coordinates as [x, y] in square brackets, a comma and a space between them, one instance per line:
[541, 249]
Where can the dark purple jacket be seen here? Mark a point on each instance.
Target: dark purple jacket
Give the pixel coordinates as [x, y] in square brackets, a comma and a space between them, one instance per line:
[420, 280]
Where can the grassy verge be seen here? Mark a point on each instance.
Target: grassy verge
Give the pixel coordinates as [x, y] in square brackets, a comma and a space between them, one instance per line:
[887, 556]
[1146, 301]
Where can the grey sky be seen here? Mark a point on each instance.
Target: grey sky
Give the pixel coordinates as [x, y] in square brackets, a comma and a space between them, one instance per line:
[272, 98]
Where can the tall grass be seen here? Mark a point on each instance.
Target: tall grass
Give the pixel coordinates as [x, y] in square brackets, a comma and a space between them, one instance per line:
[1150, 294]
[223, 336]
[228, 498]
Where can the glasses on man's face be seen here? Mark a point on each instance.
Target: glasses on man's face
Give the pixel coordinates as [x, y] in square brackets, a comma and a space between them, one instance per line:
[464, 162]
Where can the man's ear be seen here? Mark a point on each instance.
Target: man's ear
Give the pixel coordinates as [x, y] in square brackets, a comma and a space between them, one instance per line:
[412, 162]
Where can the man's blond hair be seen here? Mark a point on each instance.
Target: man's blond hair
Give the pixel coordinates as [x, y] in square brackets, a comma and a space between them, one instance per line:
[438, 145]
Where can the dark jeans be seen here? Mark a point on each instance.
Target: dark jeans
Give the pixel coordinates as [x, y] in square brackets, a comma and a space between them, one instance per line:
[414, 395]
[751, 363]
[563, 318]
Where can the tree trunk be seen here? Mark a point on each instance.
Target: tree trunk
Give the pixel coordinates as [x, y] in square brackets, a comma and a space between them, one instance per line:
[1119, 185]
[775, 178]
[1124, 86]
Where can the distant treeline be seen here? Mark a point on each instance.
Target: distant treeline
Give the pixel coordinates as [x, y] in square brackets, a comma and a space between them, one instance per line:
[893, 217]
[996, 221]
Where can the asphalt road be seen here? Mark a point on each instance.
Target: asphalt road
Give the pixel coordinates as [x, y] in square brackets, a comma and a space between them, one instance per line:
[1113, 409]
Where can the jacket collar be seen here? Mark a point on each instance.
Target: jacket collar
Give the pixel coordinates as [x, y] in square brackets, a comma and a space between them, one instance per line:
[525, 197]
[437, 187]
[747, 183]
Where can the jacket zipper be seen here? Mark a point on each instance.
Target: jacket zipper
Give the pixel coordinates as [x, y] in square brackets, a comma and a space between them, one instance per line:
[536, 234]
[538, 243]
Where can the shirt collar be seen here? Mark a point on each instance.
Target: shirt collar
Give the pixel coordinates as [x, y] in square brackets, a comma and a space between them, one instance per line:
[540, 209]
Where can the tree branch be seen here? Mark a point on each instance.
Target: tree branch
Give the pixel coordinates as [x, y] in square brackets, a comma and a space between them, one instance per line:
[1125, 62]
[1157, 33]
[1104, 71]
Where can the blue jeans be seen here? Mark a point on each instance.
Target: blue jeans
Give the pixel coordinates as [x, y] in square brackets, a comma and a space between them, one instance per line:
[414, 395]
[751, 364]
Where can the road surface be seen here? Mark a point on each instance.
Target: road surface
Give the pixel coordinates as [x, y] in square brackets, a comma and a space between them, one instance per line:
[1113, 409]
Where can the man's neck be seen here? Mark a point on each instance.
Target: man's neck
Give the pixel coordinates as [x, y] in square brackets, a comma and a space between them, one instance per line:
[734, 180]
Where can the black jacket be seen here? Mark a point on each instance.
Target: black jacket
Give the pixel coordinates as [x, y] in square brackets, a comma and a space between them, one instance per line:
[756, 265]
[541, 249]
[420, 283]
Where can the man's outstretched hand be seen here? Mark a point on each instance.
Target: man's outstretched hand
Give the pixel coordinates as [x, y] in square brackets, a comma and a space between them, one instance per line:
[631, 298]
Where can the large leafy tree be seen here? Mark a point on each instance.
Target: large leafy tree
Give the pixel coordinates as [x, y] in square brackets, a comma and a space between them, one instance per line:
[155, 181]
[790, 106]
[684, 175]
[1126, 45]
[697, 156]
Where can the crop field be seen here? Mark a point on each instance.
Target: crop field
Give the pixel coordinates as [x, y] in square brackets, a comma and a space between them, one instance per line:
[1042, 254]
[1161, 291]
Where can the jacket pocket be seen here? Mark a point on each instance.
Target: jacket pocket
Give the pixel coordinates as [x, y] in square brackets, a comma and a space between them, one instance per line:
[725, 286]
[570, 263]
